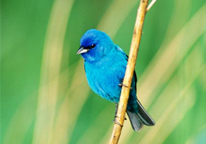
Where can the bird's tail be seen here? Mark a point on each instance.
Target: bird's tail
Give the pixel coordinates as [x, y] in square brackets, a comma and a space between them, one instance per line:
[138, 119]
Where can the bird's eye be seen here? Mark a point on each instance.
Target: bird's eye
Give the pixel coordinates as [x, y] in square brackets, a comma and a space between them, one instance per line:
[93, 45]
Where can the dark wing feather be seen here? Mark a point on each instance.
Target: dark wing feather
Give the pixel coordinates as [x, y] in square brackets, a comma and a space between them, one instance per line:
[135, 75]
[144, 116]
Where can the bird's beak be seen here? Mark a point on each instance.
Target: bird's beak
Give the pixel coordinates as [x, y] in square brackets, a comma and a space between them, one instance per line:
[82, 50]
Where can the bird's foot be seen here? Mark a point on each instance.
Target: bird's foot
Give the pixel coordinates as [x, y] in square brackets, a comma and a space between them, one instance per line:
[124, 85]
[116, 122]
[117, 116]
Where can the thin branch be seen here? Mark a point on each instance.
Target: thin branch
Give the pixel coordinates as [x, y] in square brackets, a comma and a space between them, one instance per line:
[129, 72]
[151, 4]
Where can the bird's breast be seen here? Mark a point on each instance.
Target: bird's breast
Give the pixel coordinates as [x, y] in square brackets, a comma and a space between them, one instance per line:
[104, 78]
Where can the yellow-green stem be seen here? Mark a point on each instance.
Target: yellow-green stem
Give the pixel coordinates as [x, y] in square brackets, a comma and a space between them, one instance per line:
[129, 71]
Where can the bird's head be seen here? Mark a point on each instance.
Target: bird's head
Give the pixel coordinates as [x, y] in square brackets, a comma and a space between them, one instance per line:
[94, 45]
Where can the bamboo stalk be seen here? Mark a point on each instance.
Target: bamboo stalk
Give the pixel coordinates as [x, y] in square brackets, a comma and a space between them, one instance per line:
[129, 72]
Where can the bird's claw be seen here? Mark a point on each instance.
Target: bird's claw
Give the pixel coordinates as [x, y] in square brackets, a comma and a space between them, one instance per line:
[117, 122]
[117, 116]
[124, 85]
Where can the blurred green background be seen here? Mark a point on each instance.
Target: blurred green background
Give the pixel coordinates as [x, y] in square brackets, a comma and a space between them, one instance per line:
[45, 98]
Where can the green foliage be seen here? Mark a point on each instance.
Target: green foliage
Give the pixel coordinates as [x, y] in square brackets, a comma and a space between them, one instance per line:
[45, 97]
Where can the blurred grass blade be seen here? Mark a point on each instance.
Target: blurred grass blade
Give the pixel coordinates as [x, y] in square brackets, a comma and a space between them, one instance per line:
[167, 59]
[71, 106]
[198, 137]
[15, 133]
[110, 22]
[171, 116]
[172, 103]
[52, 54]
[91, 132]
[22, 113]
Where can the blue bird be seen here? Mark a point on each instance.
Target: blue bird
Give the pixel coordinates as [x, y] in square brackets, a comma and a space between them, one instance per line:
[105, 65]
